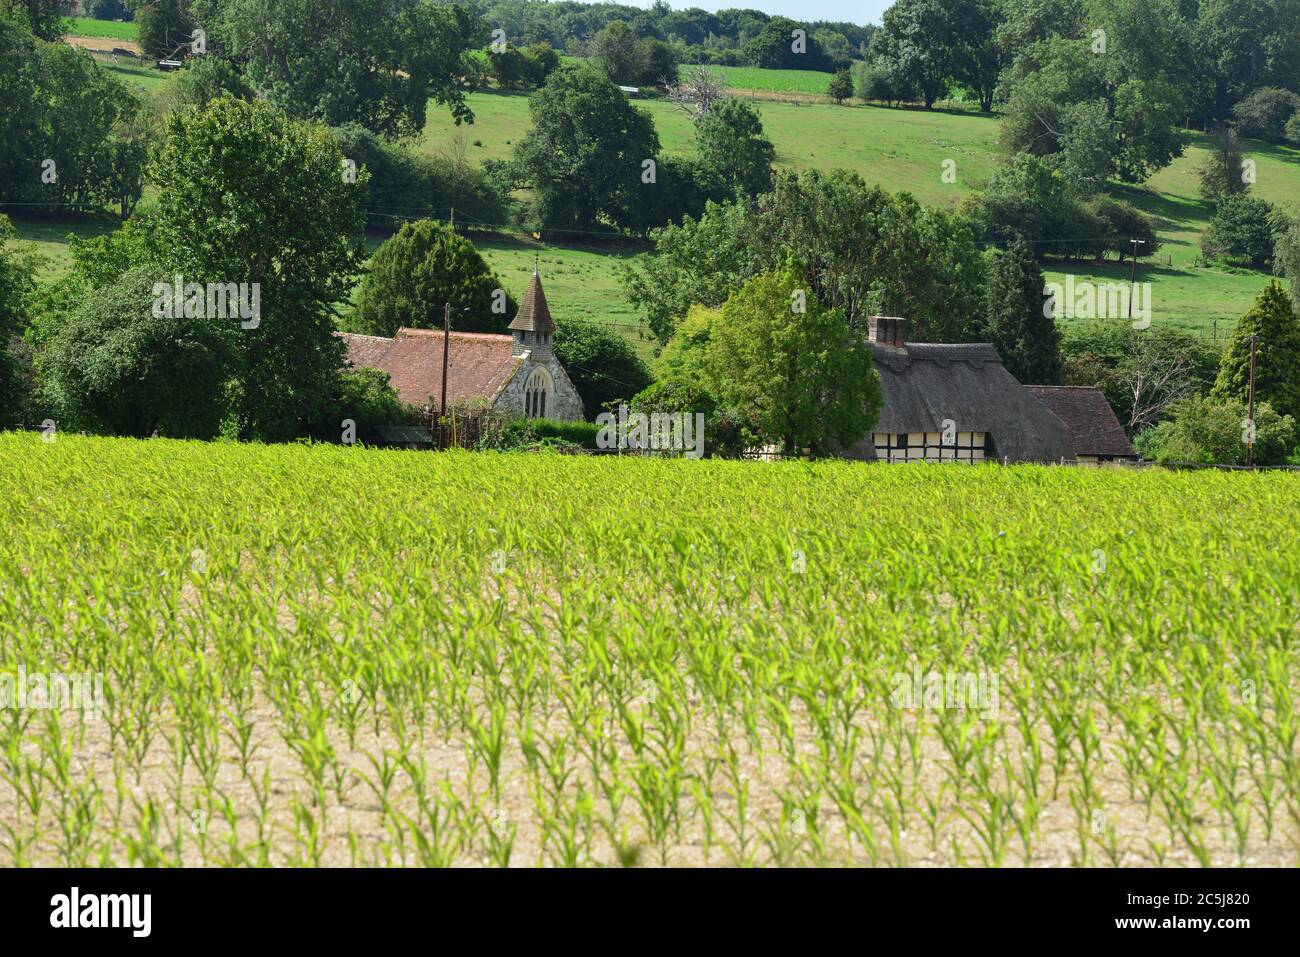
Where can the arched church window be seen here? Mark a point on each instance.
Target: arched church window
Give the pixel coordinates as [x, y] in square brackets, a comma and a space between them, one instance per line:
[537, 390]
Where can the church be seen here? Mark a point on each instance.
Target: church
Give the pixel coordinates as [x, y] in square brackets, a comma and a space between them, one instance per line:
[516, 373]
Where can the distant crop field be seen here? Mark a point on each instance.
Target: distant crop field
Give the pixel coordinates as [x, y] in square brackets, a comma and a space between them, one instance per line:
[90, 27]
[315, 655]
[776, 81]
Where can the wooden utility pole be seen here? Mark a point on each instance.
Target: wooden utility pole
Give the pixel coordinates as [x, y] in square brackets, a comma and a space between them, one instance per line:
[1250, 393]
[446, 353]
[1133, 272]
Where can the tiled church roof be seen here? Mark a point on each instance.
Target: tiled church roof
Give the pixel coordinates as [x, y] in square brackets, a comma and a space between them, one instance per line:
[533, 315]
[481, 364]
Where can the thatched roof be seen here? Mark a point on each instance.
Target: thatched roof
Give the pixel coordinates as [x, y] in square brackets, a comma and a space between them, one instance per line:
[1092, 423]
[925, 383]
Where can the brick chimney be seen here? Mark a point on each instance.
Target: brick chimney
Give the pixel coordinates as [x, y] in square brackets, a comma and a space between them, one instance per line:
[887, 331]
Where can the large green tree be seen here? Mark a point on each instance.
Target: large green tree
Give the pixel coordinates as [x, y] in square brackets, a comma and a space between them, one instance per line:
[44, 18]
[602, 365]
[1107, 104]
[118, 367]
[585, 157]
[15, 288]
[65, 125]
[165, 28]
[424, 266]
[867, 250]
[794, 364]
[1273, 323]
[730, 142]
[919, 39]
[246, 195]
[1015, 320]
[372, 62]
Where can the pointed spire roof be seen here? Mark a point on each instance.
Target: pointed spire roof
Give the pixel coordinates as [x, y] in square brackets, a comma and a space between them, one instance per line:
[533, 315]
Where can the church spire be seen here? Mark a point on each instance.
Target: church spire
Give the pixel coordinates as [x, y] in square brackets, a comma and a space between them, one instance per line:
[533, 314]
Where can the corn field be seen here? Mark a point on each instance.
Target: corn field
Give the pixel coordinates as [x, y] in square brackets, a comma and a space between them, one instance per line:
[319, 655]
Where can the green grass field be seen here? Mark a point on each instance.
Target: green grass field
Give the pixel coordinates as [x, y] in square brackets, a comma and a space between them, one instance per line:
[90, 27]
[537, 659]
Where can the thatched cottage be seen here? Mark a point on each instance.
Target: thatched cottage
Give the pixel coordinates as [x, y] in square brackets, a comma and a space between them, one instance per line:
[955, 402]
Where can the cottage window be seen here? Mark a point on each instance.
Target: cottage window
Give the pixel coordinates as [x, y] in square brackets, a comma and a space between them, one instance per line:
[930, 447]
[537, 389]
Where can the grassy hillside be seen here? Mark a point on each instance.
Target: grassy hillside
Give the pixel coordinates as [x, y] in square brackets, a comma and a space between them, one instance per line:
[904, 149]
[901, 149]
[469, 663]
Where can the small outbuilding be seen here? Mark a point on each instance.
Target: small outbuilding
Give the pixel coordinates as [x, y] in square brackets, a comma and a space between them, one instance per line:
[1095, 432]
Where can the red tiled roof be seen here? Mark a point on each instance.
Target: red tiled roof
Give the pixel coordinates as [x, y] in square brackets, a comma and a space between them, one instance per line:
[480, 364]
[1094, 429]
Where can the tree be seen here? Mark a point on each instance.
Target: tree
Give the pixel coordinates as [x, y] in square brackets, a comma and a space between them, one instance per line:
[62, 109]
[1121, 224]
[1241, 46]
[867, 251]
[402, 182]
[795, 364]
[882, 81]
[1286, 253]
[1242, 232]
[698, 89]
[165, 28]
[44, 18]
[366, 397]
[1293, 130]
[616, 52]
[976, 58]
[1028, 199]
[658, 63]
[1211, 431]
[377, 63]
[16, 285]
[835, 47]
[247, 195]
[841, 86]
[117, 367]
[1143, 372]
[602, 364]
[1264, 114]
[1273, 323]
[415, 273]
[1015, 320]
[917, 37]
[730, 143]
[510, 67]
[1222, 174]
[778, 47]
[108, 9]
[585, 156]
[1109, 113]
